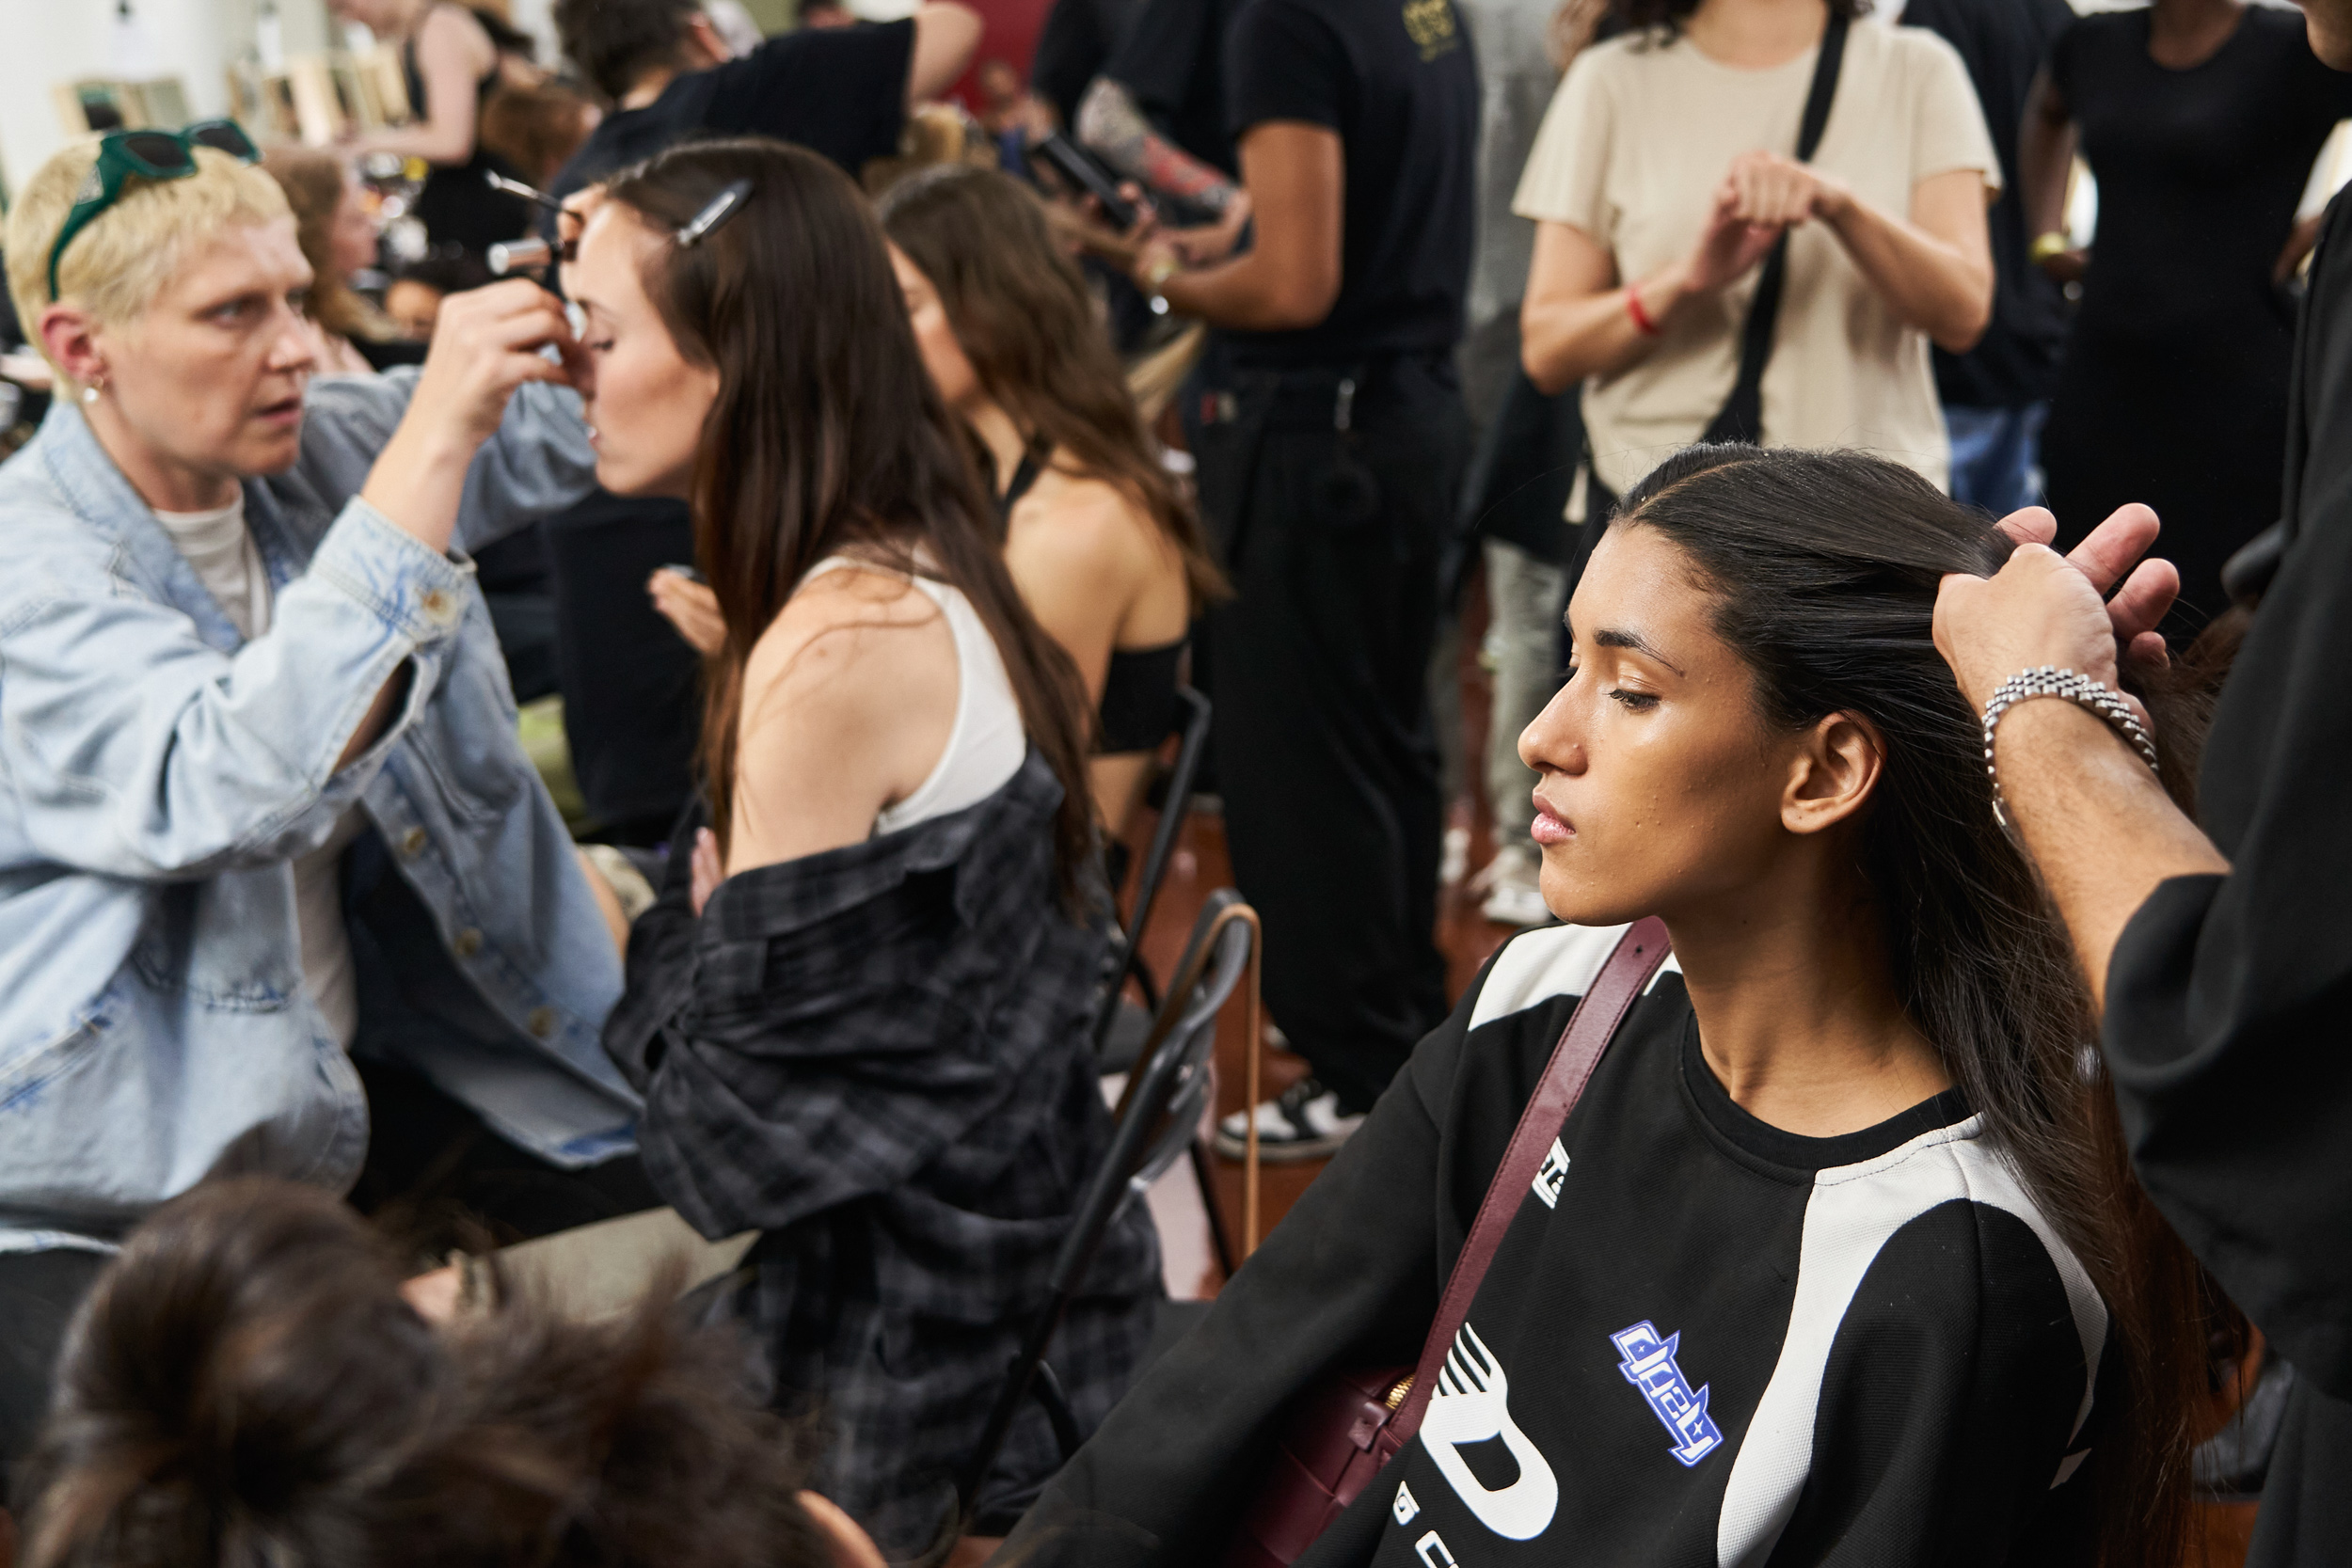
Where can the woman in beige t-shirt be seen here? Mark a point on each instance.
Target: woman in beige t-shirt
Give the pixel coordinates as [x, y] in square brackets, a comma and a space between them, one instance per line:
[1664, 173]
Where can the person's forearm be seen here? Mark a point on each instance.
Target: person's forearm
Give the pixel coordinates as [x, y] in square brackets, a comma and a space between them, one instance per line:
[1245, 294]
[2045, 156]
[1109, 124]
[2095, 822]
[418, 480]
[1562, 339]
[1929, 283]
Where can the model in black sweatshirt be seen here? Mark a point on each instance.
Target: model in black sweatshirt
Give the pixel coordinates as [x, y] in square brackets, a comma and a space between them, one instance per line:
[1820, 1269]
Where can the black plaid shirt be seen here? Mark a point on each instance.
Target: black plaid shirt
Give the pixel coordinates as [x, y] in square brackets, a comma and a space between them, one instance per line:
[877, 1056]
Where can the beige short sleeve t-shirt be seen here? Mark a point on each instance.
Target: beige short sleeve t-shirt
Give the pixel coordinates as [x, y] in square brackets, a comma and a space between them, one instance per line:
[1636, 143]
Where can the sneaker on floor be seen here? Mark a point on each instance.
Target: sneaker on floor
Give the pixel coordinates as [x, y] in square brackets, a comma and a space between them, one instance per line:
[1304, 1123]
[1514, 886]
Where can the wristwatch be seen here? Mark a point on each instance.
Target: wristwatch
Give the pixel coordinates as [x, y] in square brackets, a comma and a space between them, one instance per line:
[2055, 243]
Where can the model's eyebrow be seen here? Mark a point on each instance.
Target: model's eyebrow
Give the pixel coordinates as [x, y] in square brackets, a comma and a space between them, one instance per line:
[1609, 636]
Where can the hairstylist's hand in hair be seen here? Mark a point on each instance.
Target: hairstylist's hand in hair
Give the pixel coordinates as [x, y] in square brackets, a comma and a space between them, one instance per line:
[486, 343]
[2042, 608]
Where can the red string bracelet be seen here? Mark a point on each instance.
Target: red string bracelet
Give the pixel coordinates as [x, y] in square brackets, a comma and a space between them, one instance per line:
[1642, 321]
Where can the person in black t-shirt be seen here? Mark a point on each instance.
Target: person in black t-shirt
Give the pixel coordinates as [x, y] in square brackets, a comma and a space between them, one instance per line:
[1330, 457]
[1078, 37]
[841, 91]
[1829, 1263]
[1996, 395]
[628, 680]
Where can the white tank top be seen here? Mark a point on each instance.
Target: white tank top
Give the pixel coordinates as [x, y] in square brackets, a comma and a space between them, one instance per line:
[987, 743]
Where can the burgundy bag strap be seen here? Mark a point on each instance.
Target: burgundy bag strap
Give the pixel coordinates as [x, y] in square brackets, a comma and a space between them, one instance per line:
[1599, 1013]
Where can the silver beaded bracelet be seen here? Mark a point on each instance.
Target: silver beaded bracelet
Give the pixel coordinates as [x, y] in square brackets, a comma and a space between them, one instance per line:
[2046, 680]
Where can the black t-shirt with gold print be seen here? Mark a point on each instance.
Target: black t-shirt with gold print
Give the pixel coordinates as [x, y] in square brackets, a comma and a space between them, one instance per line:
[1398, 81]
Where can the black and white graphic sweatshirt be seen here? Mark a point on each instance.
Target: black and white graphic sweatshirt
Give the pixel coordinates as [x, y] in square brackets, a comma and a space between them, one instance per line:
[1704, 1343]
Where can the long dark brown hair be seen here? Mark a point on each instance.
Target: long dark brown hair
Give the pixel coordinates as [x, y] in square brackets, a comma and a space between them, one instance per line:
[1825, 568]
[1024, 318]
[827, 434]
[247, 1389]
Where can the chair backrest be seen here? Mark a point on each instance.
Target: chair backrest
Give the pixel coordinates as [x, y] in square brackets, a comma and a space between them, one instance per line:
[1176, 1074]
[1182, 780]
[1158, 1117]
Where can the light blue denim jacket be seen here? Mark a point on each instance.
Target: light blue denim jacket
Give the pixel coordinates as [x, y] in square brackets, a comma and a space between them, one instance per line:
[159, 774]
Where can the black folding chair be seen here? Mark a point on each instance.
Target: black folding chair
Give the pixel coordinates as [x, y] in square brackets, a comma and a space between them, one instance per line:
[1158, 1117]
[1193, 729]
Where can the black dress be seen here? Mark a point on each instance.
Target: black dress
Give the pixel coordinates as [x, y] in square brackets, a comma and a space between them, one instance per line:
[2173, 388]
[456, 205]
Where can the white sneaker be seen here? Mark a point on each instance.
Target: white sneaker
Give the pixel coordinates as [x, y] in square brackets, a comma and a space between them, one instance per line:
[1305, 1122]
[1513, 881]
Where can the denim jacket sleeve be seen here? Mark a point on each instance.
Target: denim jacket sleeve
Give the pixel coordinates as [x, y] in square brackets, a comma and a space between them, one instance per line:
[538, 462]
[135, 748]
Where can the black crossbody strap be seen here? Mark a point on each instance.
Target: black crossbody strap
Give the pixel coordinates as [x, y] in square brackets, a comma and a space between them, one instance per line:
[1742, 415]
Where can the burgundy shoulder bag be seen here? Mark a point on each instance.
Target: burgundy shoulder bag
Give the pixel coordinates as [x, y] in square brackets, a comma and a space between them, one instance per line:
[1339, 1434]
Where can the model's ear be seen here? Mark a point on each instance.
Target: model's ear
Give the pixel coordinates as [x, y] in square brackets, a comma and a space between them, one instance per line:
[1835, 767]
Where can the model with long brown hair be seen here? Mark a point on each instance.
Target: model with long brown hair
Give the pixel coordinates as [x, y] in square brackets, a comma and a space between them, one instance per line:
[858, 1019]
[1104, 549]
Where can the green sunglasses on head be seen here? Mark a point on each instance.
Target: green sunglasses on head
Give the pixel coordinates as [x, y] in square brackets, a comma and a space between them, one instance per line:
[149, 155]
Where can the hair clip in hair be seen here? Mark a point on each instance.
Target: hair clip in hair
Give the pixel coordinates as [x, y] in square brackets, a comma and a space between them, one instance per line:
[721, 208]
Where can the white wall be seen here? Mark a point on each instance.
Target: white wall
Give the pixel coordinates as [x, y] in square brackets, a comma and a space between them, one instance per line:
[43, 43]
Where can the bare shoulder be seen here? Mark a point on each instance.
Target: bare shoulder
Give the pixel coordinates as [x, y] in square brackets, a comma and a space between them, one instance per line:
[456, 29]
[845, 637]
[1089, 527]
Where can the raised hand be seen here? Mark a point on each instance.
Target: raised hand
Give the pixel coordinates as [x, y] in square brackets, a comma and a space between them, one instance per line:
[691, 607]
[1768, 188]
[2042, 608]
[1731, 246]
[487, 343]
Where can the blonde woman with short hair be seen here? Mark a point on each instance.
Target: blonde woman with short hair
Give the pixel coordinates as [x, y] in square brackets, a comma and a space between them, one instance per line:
[266, 829]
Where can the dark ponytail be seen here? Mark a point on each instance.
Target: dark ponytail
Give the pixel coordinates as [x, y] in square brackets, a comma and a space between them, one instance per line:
[247, 1389]
[1824, 567]
[239, 1381]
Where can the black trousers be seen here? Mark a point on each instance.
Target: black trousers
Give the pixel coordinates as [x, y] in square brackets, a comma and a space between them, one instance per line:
[435, 1178]
[1325, 754]
[632, 687]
